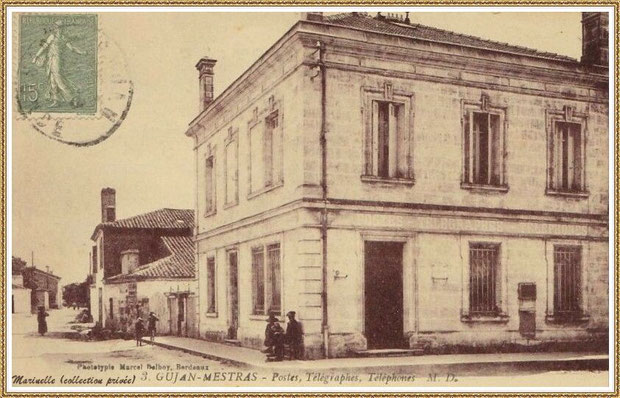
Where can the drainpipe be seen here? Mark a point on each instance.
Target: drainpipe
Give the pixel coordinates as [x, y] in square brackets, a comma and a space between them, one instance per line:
[322, 71]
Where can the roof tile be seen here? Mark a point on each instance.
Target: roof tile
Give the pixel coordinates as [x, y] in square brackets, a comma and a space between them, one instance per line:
[417, 31]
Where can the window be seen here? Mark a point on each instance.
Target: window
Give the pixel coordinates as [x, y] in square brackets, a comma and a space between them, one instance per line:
[211, 285]
[567, 164]
[265, 153]
[258, 280]
[567, 281]
[483, 144]
[388, 145]
[273, 277]
[232, 168]
[111, 309]
[388, 134]
[94, 259]
[484, 279]
[266, 279]
[209, 185]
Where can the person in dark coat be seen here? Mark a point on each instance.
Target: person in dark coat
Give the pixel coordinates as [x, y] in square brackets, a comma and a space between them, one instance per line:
[294, 336]
[41, 315]
[278, 341]
[269, 341]
[139, 330]
[152, 325]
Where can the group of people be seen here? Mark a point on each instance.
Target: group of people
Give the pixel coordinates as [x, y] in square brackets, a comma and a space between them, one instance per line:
[151, 327]
[276, 339]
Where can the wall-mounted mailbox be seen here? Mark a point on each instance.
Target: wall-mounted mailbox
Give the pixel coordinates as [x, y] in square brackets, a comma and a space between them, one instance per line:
[527, 291]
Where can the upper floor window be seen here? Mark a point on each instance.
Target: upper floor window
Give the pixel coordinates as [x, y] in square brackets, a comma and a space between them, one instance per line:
[566, 151]
[210, 185]
[232, 168]
[483, 144]
[387, 143]
[94, 259]
[265, 138]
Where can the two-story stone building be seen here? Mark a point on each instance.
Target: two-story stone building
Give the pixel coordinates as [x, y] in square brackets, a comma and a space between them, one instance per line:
[144, 263]
[397, 184]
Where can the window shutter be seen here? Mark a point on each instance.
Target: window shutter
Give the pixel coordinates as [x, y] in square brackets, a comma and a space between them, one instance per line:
[392, 141]
[375, 139]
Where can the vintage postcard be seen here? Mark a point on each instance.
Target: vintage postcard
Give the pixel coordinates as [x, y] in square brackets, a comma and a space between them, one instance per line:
[311, 199]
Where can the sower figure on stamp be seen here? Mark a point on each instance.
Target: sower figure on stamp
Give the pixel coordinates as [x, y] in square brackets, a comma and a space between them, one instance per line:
[152, 325]
[294, 336]
[42, 322]
[54, 45]
[139, 330]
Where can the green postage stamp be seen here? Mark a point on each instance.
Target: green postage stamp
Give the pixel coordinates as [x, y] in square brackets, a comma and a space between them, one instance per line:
[58, 63]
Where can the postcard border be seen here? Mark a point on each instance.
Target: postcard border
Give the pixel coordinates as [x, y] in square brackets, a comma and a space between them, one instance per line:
[615, 4]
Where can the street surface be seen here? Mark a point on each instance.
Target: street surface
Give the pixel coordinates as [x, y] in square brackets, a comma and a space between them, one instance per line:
[54, 359]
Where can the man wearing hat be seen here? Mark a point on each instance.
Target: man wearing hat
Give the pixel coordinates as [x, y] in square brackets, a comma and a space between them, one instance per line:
[139, 330]
[294, 336]
[269, 341]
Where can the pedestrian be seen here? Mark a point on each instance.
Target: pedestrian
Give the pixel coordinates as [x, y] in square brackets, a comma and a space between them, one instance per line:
[269, 341]
[41, 315]
[277, 335]
[139, 330]
[152, 324]
[294, 336]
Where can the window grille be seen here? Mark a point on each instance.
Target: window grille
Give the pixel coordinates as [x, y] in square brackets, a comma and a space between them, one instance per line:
[567, 280]
[483, 279]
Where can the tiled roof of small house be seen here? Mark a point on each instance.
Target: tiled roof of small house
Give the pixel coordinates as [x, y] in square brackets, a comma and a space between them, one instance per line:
[366, 22]
[179, 264]
[162, 218]
[158, 219]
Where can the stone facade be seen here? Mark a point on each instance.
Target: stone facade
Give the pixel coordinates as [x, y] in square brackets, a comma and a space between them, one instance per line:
[433, 213]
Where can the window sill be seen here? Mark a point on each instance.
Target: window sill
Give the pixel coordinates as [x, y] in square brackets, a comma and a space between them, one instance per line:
[567, 194]
[567, 319]
[500, 318]
[211, 314]
[210, 213]
[263, 190]
[231, 204]
[263, 317]
[388, 180]
[483, 188]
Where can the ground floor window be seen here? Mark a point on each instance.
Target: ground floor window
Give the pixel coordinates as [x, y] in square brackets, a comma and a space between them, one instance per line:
[567, 280]
[266, 279]
[211, 285]
[484, 279]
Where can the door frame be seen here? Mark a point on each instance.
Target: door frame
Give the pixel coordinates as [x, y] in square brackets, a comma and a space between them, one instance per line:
[409, 275]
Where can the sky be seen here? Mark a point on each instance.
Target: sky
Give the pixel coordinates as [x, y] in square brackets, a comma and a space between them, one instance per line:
[149, 160]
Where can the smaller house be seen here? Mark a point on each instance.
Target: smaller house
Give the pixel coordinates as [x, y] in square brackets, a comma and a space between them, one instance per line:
[43, 286]
[20, 295]
[141, 264]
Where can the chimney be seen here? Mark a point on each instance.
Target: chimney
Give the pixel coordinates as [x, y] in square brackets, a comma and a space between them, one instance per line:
[595, 38]
[312, 16]
[205, 81]
[108, 205]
